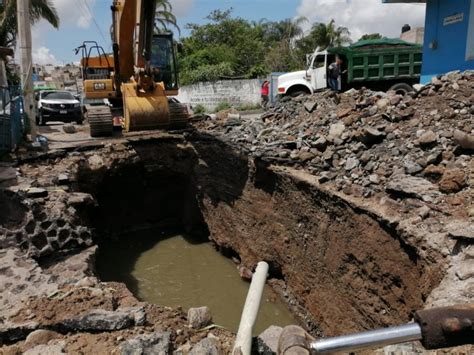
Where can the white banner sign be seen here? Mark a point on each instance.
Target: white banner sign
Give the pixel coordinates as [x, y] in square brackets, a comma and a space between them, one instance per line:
[456, 18]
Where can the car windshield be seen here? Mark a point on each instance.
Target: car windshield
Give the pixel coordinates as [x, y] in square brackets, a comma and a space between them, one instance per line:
[57, 95]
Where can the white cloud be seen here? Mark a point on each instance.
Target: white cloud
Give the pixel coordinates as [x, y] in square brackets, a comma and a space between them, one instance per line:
[364, 16]
[42, 55]
[182, 8]
[71, 13]
[77, 12]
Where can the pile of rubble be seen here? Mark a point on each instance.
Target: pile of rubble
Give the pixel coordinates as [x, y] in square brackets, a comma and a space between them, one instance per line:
[366, 142]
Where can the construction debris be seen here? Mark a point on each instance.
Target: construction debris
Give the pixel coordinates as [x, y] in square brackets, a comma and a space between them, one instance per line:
[364, 141]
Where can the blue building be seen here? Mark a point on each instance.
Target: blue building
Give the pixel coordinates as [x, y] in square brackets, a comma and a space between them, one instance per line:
[449, 36]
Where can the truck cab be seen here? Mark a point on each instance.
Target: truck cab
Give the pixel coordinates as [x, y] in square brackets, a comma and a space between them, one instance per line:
[307, 81]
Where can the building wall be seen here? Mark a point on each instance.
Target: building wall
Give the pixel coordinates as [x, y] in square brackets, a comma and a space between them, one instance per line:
[447, 44]
[415, 35]
[210, 94]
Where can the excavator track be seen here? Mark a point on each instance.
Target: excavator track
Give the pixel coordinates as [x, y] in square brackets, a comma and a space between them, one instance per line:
[100, 121]
[179, 115]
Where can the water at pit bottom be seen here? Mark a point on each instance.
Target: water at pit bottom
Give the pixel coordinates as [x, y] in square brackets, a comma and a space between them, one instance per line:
[174, 270]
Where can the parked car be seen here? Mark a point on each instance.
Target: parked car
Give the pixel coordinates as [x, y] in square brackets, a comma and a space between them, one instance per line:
[58, 106]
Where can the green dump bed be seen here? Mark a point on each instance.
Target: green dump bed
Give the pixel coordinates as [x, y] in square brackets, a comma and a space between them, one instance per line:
[383, 59]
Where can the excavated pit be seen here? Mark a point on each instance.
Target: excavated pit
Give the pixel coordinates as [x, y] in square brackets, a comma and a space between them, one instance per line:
[142, 213]
[339, 264]
[340, 267]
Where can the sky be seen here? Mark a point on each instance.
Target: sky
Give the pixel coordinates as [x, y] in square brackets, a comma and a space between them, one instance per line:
[91, 20]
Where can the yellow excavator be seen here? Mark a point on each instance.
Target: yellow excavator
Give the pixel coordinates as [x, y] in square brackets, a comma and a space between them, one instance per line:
[140, 76]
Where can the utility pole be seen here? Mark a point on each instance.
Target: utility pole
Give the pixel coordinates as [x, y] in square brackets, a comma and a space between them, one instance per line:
[26, 64]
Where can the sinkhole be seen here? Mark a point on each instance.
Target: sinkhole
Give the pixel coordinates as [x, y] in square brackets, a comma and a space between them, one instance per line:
[175, 220]
[152, 236]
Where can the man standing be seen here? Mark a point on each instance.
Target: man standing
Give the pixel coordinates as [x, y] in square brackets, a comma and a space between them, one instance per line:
[334, 74]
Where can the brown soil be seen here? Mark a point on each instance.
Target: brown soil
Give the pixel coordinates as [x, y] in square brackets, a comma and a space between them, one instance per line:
[345, 266]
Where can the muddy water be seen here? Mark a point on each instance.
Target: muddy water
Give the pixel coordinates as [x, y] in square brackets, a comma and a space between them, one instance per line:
[173, 270]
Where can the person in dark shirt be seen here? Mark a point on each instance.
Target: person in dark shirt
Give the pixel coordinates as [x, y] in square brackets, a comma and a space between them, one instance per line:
[334, 74]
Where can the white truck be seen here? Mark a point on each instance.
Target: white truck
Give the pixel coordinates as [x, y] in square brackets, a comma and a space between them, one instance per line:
[385, 64]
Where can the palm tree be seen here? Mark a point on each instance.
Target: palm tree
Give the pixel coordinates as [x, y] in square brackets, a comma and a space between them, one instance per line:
[164, 17]
[326, 35]
[39, 9]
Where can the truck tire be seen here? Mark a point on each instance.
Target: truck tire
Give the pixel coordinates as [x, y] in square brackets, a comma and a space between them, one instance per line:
[401, 88]
[299, 93]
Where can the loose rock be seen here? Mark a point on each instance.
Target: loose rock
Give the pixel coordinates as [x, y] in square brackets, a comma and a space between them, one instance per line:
[199, 317]
[156, 343]
[267, 341]
[452, 181]
[207, 346]
[69, 128]
[464, 140]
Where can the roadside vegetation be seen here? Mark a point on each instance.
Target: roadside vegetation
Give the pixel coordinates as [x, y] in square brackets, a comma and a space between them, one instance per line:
[230, 47]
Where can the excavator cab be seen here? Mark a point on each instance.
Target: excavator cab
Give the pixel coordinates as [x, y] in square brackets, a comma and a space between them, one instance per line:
[163, 61]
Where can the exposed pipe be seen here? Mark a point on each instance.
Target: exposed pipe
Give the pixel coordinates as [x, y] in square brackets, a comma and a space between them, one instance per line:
[243, 342]
[374, 338]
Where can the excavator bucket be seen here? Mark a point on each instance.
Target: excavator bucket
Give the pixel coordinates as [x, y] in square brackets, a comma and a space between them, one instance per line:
[151, 110]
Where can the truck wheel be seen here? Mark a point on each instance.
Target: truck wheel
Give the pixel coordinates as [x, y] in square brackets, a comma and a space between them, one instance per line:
[401, 88]
[298, 93]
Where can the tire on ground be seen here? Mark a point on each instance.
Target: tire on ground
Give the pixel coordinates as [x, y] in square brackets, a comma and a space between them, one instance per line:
[401, 88]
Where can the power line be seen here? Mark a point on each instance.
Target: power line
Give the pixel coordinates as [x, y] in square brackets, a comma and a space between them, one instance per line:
[93, 20]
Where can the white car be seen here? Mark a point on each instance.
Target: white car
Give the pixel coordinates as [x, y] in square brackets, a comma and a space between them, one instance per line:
[58, 106]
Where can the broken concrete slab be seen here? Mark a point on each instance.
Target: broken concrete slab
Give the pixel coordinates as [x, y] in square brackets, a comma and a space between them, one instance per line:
[36, 192]
[310, 106]
[411, 186]
[99, 320]
[461, 229]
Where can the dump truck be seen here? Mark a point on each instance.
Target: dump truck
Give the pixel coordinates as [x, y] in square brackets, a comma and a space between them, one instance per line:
[140, 77]
[383, 64]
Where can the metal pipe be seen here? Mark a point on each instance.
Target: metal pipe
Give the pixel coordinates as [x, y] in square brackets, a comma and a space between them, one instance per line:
[243, 341]
[374, 338]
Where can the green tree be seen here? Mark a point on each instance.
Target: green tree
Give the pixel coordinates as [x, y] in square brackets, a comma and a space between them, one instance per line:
[164, 17]
[371, 36]
[225, 47]
[324, 36]
[233, 47]
[39, 9]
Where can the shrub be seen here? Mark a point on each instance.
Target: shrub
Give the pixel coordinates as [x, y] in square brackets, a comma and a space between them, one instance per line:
[223, 106]
[199, 109]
